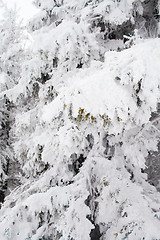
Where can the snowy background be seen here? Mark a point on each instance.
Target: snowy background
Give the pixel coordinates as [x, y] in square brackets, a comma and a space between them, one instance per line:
[25, 8]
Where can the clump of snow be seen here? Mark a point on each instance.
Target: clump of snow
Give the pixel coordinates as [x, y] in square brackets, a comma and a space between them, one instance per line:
[120, 90]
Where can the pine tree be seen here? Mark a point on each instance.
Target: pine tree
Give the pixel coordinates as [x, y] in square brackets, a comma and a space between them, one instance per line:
[10, 58]
[83, 130]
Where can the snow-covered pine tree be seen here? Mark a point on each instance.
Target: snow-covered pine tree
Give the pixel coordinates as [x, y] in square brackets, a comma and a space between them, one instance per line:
[83, 133]
[11, 48]
[10, 57]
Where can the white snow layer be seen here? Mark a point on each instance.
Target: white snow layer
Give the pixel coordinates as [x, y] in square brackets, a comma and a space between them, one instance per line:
[115, 95]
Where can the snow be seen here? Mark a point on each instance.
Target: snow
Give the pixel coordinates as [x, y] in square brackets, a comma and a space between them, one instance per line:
[26, 9]
[91, 89]
[78, 110]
